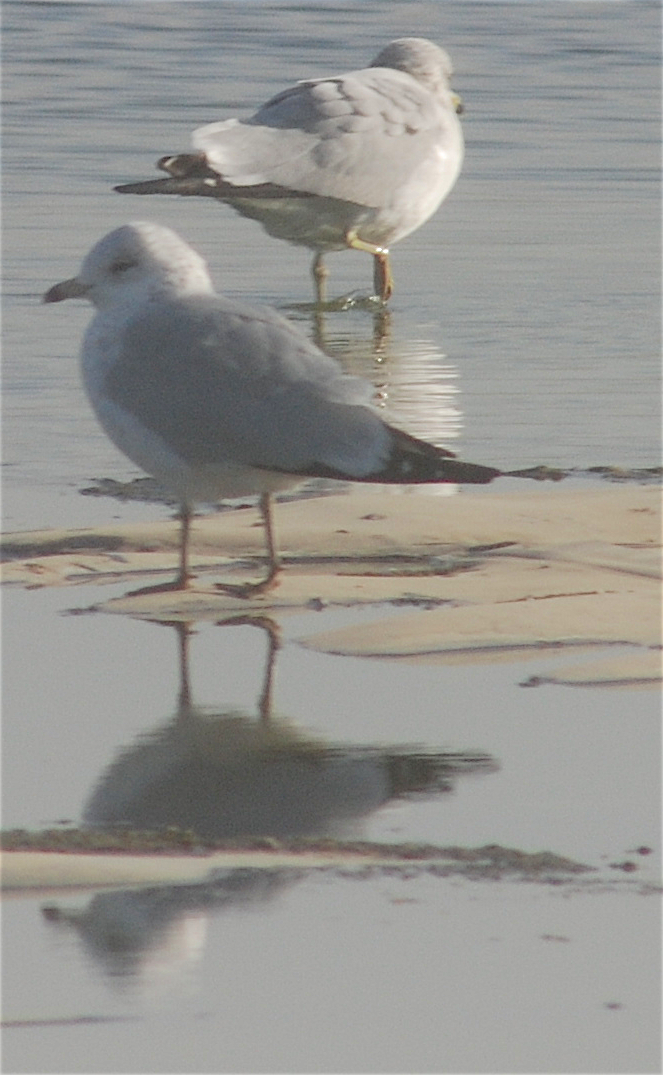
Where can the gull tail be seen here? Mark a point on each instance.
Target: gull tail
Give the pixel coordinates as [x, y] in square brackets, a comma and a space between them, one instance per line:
[187, 166]
[189, 175]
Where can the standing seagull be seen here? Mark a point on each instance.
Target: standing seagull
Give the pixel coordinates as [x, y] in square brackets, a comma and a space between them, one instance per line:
[357, 160]
[216, 398]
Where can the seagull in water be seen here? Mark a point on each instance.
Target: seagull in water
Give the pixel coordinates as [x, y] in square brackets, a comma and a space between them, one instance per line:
[357, 160]
[216, 398]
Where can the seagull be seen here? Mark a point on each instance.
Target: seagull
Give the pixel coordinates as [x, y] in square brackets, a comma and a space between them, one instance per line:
[354, 161]
[216, 398]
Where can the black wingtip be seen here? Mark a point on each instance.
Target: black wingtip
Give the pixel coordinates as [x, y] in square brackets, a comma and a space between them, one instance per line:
[419, 471]
[196, 188]
[132, 188]
[413, 461]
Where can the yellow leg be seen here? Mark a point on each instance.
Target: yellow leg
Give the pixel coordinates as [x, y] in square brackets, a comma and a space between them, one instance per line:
[383, 280]
[320, 274]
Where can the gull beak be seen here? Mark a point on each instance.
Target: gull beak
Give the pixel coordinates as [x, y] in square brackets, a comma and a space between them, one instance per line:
[457, 102]
[68, 289]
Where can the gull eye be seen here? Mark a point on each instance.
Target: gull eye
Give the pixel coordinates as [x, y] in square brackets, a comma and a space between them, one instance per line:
[121, 266]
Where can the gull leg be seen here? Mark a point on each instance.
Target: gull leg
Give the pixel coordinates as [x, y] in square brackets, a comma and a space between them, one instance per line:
[274, 636]
[265, 704]
[252, 589]
[183, 577]
[273, 559]
[381, 332]
[272, 551]
[383, 281]
[249, 589]
[320, 274]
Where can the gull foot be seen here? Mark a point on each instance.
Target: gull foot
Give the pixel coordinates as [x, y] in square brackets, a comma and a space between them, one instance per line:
[178, 584]
[248, 589]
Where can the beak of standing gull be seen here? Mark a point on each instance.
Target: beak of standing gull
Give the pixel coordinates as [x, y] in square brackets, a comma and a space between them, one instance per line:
[68, 289]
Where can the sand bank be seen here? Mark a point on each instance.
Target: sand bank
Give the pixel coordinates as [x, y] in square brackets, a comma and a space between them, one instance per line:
[485, 575]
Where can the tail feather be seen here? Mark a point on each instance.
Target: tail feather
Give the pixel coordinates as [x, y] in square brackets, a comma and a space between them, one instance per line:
[191, 176]
[187, 166]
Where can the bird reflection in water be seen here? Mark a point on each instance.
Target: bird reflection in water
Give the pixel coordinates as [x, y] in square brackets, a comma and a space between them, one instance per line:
[227, 773]
[320, 321]
[415, 382]
[154, 936]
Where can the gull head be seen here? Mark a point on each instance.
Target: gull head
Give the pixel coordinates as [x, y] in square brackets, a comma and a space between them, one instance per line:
[135, 263]
[422, 59]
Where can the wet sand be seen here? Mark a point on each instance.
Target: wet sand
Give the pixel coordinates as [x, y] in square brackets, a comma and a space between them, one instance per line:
[487, 575]
[82, 859]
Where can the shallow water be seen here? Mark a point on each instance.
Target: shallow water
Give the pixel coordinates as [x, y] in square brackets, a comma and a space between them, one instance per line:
[342, 975]
[268, 970]
[524, 330]
[102, 704]
[531, 300]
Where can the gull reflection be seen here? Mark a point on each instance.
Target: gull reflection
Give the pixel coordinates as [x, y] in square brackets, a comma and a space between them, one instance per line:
[323, 338]
[154, 937]
[224, 772]
[228, 773]
[415, 381]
